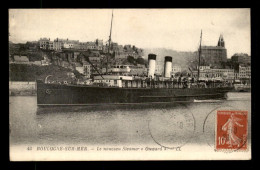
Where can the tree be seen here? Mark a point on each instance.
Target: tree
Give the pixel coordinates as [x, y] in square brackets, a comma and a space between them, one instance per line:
[131, 59]
[77, 74]
[140, 61]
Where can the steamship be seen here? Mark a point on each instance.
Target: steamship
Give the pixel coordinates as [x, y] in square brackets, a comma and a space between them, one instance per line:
[119, 88]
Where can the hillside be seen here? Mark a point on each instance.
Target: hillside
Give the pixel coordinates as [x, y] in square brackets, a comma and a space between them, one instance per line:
[182, 58]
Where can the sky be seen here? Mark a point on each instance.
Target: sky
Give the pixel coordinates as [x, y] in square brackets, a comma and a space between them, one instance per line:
[176, 29]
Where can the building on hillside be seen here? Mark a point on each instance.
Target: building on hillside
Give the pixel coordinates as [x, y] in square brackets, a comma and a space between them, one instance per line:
[99, 44]
[94, 59]
[120, 48]
[241, 58]
[214, 55]
[57, 44]
[105, 49]
[87, 70]
[226, 74]
[81, 46]
[69, 44]
[215, 74]
[244, 72]
[44, 43]
[114, 46]
[79, 67]
[51, 45]
[91, 45]
[120, 55]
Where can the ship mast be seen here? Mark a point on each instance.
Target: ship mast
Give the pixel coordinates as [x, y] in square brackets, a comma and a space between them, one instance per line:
[199, 56]
[109, 41]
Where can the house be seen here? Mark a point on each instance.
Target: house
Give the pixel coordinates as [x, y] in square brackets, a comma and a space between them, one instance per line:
[244, 71]
[70, 43]
[91, 45]
[81, 46]
[58, 44]
[51, 45]
[87, 70]
[44, 43]
[99, 44]
[241, 58]
[114, 46]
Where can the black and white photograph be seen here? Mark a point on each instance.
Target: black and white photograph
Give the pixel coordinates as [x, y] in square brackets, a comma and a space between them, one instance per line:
[129, 84]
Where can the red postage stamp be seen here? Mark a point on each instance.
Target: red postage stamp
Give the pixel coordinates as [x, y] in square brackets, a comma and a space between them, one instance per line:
[231, 130]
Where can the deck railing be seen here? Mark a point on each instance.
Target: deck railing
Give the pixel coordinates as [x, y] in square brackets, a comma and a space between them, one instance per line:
[171, 84]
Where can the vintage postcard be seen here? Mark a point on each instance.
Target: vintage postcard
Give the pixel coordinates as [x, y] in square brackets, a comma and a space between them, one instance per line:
[129, 84]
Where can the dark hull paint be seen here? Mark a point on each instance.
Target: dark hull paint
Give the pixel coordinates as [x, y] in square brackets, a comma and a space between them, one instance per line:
[56, 95]
[242, 90]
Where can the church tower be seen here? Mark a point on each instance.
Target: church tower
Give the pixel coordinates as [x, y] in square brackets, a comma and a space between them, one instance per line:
[221, 42]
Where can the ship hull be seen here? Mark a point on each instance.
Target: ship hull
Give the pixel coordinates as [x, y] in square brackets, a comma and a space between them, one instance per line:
[58, 95]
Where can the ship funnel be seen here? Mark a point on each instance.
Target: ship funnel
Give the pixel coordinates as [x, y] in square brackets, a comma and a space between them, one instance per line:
[151, 62]
[167, 66]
